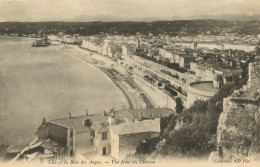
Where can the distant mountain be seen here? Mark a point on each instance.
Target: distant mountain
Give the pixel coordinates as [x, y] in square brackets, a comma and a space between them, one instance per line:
[174, 28]
[118, 18]
[112, 18]
[109, 18]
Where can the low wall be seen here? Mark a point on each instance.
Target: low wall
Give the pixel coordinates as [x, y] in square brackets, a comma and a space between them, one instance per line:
[196, 94]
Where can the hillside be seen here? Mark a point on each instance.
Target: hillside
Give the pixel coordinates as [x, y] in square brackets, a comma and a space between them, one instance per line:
[180, 27]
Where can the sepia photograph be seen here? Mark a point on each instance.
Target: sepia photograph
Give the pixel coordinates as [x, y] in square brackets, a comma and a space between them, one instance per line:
[129, 83]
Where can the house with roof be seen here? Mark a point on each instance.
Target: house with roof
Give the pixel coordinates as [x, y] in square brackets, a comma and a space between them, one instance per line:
[114, 133]
[124, 138]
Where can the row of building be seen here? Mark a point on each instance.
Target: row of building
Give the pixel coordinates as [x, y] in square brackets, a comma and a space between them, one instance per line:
[195, 45]
[179, 63]
[188, 56]
[112, 133]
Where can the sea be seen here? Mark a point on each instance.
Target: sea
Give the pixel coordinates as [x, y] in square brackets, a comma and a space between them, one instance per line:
[44, 82]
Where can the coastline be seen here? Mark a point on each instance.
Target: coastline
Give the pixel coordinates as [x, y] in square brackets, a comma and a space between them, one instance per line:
[153, 95]
[55, 79]
[130, 103]
[124, 92]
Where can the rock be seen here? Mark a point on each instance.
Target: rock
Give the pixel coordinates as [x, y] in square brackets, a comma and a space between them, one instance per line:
[238, 132]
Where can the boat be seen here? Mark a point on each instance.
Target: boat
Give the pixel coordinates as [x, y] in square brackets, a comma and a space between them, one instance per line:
[41, 42]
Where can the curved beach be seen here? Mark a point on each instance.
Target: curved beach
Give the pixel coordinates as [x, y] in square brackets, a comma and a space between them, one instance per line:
[130, 104]
[104, 64]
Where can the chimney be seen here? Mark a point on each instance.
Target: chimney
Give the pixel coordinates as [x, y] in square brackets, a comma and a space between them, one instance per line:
[43, 121]
[86, 112]
[116, 114]
[104, 113]
[112, 113]
[69, 115]
[87, 122]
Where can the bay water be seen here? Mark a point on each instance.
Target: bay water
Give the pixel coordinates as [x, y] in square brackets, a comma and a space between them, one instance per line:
[43, 82]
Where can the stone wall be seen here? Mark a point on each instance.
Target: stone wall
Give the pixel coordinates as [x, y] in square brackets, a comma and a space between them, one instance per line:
[254, 150]
[198, 94]
[58, 133]
[238, 132]
[236, 127]
[254, 76]
[114, 142]
[83, 144]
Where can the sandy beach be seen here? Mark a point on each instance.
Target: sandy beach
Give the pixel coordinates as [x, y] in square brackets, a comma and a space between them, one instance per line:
[155, 96]
[105, 64]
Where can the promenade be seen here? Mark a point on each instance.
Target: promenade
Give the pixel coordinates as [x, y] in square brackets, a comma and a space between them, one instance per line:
[138, 92]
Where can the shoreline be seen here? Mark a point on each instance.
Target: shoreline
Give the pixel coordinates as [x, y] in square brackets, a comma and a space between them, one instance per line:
[139, 97]
[155, 97]
[123, 91]
[101, 70]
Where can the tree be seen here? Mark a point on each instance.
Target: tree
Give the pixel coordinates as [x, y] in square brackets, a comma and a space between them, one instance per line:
[143, 147]
[179, 105]
[147, 146]
[180, 89]
[159, 84]
[167, 124]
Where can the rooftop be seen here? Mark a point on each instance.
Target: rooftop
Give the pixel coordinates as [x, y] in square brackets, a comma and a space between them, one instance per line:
[147, 113]
[101, 127]
[137, 127]
[15, 149]
[77, 122]
[98, 120]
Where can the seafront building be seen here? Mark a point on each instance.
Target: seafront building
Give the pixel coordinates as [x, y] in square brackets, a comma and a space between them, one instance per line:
[178, 61]
[247, 48]
[113, 133]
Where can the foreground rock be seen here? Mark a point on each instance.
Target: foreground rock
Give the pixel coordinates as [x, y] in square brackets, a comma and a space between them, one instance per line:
[238, 134]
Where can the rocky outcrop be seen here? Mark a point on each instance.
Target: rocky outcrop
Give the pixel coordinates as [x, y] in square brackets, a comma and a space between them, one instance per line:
[254, 151]
[238, 132]
[236, 128]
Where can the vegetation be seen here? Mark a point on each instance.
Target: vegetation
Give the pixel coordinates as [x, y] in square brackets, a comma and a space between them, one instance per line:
[159, 84]
[179, 105]
[197, 138]
[147, 146]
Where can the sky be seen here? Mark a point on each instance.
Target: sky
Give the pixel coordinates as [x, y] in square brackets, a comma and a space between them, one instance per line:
[60, 10]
